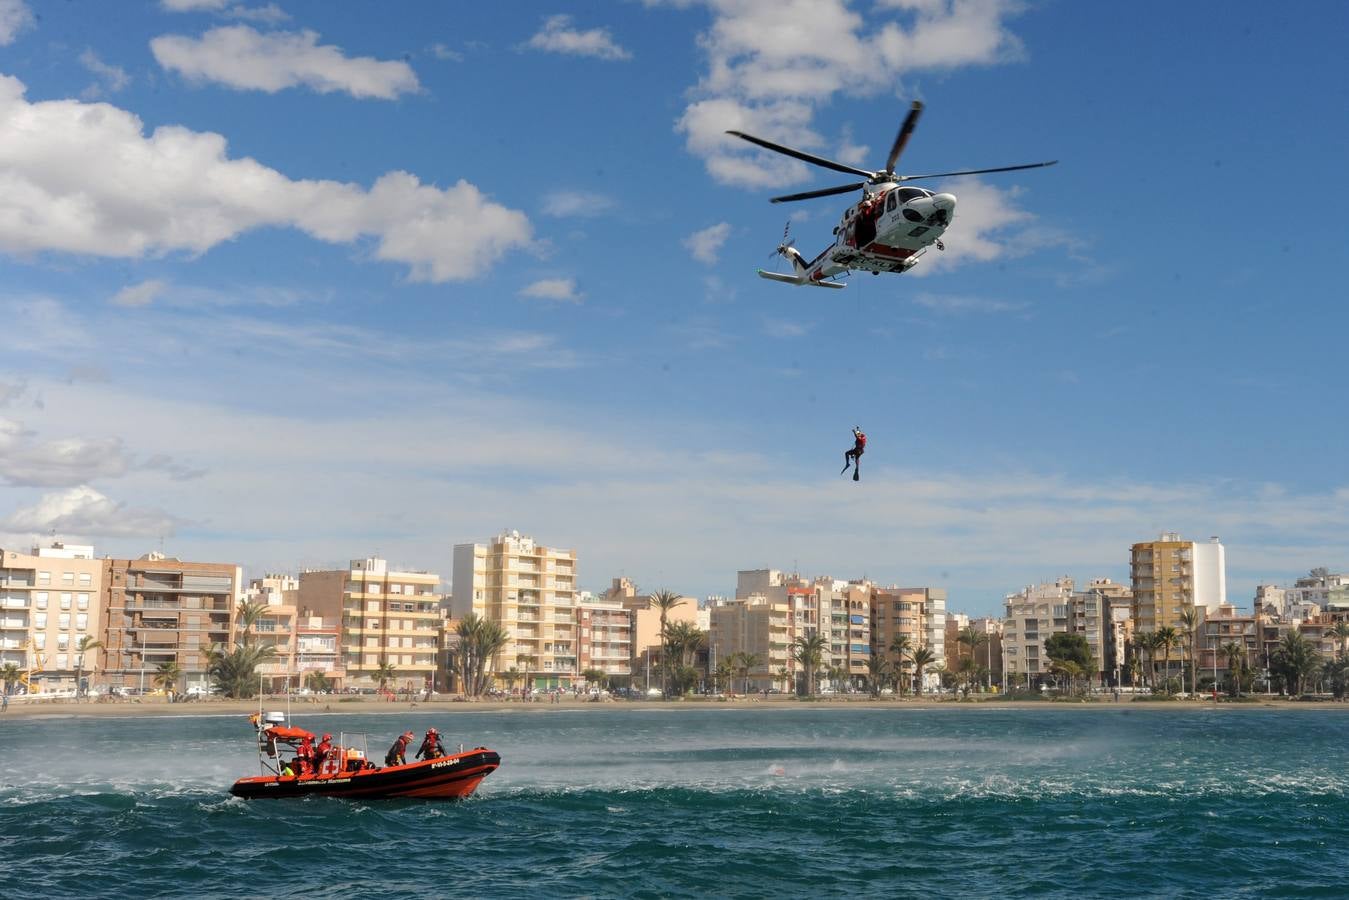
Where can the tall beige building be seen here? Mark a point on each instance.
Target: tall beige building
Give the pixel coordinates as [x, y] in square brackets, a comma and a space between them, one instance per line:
[604, 638]
[386, 616]
[760, 627]
[1033, 614]
[1170, 575]
[159, 609]
[50, 599]
[531, 591]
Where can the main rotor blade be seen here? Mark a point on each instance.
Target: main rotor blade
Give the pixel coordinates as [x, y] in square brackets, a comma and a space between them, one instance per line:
[978, 171]
[823, 192]
[803, 156]
[902, 139]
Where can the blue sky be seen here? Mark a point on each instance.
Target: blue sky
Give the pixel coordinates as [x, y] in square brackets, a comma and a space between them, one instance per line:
[290, 283]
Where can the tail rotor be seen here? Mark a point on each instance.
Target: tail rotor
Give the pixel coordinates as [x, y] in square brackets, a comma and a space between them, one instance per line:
[788, 242]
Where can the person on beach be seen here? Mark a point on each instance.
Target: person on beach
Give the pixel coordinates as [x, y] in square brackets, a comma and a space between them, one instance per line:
[397, 755]
[431, 747]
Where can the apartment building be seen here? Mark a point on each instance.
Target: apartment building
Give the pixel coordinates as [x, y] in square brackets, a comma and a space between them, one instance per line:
[604, 636]
[385, 616]
[50, 601]
[899, 612]
[1170, 575]
[1033, 614]
[530, 589]
[1222, 627]
[644, 621]
[760, 627]
[160, 609]
[986, 656]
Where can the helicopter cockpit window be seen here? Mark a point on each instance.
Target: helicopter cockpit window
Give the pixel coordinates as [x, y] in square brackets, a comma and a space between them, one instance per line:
[891, 201]
[907, 193]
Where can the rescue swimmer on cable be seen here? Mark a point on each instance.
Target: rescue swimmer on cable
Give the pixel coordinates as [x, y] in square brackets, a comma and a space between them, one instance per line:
[887, 230]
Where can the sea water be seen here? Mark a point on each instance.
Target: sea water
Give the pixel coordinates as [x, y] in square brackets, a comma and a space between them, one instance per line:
[647, 800]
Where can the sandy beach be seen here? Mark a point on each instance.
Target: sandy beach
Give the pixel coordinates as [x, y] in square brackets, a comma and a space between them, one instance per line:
[158, 706]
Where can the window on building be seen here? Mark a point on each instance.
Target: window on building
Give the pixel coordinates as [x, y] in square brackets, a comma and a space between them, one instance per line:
[86, 579]
[68, 578]
[40, 621]
[62, 661]
[82, 601]
[81, 621]
[40, 599]
[64, 622]
[63, 642]
[44, 577]
[65, 601]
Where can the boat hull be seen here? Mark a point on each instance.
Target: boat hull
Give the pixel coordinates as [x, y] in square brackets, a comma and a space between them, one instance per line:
[448, 778]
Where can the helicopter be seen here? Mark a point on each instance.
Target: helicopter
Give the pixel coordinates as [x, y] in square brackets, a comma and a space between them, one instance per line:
[887, 230]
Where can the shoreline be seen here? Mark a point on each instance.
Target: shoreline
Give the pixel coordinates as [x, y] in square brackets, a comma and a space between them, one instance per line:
[158, 707]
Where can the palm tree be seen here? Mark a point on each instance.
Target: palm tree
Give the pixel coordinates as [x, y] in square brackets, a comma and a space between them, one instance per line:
[86, 644]
[316, 681]
[385, 672]
[480, 640]
[922, 658]
[877, 669]
[809, 653]
[1190, 619]
[1296, 658]
[664, 601]
[9, 676]
[1167, 637]
[245, 617]
[167, 675]
[721, 676]
[969, 637]
[901, 645]
[511, 676]
[236, 672]
[1341, 633]
[1144, 643]
[1236, 661]
[744, 664]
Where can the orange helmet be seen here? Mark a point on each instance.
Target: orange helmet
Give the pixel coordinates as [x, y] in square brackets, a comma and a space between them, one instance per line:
[431, 732]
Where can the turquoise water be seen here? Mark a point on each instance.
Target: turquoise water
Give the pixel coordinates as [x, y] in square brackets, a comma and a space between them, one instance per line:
[644, 801]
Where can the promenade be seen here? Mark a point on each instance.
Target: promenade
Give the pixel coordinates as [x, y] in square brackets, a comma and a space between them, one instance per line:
[340, 705]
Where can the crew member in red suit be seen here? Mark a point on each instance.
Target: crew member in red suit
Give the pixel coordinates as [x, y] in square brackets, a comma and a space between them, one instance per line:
[854, 456]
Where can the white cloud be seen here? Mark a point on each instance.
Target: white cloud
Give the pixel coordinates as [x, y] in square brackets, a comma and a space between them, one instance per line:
[576, 204]
[562, 289]
[111, 79]
[241, 57]
[770, 57]
[705, 245]
[68, 461]
[84, 512]
[557, 36]
[84, 178]
[15, 17]
[142, 294]
[271, 13]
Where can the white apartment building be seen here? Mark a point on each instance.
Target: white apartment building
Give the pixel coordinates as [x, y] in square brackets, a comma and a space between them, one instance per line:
[531, 591]
[49, 603]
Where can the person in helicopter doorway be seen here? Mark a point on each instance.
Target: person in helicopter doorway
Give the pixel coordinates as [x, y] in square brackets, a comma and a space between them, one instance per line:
[431, 747]
[397, 755]
[854, 456]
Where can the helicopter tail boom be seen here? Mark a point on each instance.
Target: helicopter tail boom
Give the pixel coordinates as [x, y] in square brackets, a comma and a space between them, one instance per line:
[799, 280]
